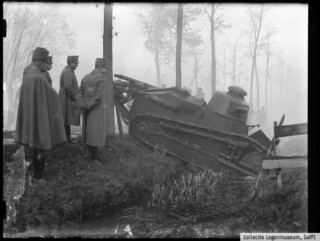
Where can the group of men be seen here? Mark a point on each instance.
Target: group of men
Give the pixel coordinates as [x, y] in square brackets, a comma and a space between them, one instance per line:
[44, 116]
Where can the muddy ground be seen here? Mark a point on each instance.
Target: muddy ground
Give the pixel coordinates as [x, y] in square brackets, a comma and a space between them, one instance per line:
[84, 198]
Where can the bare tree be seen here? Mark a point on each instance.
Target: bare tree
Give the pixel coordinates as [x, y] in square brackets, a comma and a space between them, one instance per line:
[216, 24]
[179, 44]
[280, 74]
[193, 45]
[253, 33]
[30, 25]
[157, 26]
[276, 79]
[224, 64]
[266, 47]
[234, 72]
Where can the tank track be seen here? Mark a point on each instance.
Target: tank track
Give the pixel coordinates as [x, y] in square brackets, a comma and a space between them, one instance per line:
[151, 126]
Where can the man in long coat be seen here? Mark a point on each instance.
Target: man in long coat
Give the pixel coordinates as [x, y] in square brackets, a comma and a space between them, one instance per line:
[67, 94]
[91, 97]
[39, 119]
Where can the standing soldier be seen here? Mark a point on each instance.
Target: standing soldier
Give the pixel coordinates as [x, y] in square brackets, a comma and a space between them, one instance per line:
[39, 118]
[91, 98]
[68, 90]
[28, 67]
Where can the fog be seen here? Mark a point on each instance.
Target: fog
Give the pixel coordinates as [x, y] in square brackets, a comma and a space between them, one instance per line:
[131, 58]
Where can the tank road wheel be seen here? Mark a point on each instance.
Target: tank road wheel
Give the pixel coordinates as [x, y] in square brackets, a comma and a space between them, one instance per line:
[253, 159]
[136, 128]
[142, 127]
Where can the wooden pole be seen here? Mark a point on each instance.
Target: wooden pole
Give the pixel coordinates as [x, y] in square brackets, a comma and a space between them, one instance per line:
[179, 45]
[107, 54]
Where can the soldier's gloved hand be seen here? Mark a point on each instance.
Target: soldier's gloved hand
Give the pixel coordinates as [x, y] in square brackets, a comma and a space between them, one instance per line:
[83, 108]
[86, 109]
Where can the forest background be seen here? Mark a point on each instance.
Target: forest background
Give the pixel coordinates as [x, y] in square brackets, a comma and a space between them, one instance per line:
[262, 48]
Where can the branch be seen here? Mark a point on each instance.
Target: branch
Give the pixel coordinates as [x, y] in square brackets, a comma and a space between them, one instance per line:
[207, 13]
[215, 8]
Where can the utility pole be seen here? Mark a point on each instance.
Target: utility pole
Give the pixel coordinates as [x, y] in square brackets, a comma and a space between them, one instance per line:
[107, 54]
[179, 45]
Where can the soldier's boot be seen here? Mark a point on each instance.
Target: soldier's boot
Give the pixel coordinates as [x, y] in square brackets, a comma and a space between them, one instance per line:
[93, 152]
[68, 134]
[39, 164]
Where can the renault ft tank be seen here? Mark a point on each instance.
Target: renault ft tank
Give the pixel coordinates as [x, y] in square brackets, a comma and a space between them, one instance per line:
[211, 135]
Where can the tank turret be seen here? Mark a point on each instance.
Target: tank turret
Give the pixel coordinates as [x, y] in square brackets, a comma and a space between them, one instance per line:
[231, 104]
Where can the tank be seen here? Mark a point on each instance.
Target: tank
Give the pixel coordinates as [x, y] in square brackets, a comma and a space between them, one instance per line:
[211, 135]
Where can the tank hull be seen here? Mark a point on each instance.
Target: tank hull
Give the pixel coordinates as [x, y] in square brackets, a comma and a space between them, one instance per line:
[176, 108]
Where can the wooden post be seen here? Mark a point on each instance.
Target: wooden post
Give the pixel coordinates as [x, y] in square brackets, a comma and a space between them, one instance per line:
[279, 182]
[255, 188]
[276, 140]
[107, 54]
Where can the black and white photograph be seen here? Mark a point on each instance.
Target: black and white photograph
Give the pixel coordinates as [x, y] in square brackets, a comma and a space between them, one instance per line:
[154, 120]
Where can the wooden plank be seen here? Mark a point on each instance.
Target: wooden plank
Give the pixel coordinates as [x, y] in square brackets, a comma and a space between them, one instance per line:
[8, 142]
[291, 130]
[283, 157]
[285, 163]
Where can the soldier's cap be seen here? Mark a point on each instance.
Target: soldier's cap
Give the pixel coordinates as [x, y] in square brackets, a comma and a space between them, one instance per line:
[101, 63]
[50, 60]
[40, 54]
[73, 59]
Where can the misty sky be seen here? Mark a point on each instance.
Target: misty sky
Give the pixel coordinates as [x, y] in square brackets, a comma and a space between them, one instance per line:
[132, 59]
[86, 20]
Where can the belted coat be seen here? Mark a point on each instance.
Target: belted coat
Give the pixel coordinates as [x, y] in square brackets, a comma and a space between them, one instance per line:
[92, 94]
[67, 94]
[39, 119]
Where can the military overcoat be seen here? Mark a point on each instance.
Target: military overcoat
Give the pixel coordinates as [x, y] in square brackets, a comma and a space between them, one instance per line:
[92, 94]
[27, 68]
[67, 94]
[39, 119]
[48, 77]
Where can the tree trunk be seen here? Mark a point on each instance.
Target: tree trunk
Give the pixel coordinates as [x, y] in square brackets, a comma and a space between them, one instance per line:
[179, 45]
[257, 79]
[196, 71]
[11, 112]
[251, 84]
[224, 68]
[234, 67]
[156, 57]
[213, 54]
[107, 54]
[266, 86]
[14, 73]
[157, 63]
